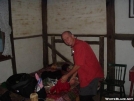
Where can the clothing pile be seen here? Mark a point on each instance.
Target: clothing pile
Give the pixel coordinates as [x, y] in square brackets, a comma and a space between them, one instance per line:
[60, 87]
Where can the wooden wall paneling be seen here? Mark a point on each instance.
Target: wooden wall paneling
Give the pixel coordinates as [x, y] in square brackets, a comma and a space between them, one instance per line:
[44, 32]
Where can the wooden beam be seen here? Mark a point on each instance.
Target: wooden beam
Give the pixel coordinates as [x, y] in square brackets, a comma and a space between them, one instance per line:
[81, 35]
[58, 41]
[110, 36]
[101, 51]
[3, 58]
[12, 41]
[59, 54]
[89, 42]
[124, 36]
[26, 37]
[53, 49]
[93, 42]
[110, 31]
[44, 32]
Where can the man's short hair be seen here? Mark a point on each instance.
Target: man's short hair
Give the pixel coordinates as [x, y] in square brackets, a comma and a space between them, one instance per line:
[67, 32]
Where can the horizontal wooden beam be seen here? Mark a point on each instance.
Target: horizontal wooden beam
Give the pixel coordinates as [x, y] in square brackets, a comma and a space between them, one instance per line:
[93, 42]
[116, 36]
[89, 42]
[124, 36]
[3, 58]
[25, 37]
[80, 35]
[58, 41]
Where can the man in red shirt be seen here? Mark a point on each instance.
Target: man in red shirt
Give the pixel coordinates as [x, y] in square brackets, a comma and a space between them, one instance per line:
[86, 66]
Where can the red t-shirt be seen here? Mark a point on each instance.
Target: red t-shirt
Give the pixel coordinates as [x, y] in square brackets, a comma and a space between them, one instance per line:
[86, 59]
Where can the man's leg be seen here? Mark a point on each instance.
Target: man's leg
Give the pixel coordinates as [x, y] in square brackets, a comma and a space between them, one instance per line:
[87, 93]
[86, 98]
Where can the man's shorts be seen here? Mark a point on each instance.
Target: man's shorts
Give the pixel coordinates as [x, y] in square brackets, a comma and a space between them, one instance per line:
[90, 89]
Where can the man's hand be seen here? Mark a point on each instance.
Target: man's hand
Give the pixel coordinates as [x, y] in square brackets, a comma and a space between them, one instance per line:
[64, 78]
[73, 72]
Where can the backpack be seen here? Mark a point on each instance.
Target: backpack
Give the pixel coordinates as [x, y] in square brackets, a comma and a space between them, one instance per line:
[22, 84]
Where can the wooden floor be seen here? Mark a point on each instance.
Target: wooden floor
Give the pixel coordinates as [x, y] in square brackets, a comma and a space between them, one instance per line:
[97, 98]
[20, 98]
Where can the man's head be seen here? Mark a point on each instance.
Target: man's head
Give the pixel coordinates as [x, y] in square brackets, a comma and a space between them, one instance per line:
[68, 38]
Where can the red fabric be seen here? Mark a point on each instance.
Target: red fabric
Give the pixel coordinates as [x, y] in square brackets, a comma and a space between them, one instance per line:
[60, 87]
[86, 59]
[131, 74]
[54, 96]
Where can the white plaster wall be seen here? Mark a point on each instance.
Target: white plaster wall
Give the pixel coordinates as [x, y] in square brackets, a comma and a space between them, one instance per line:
[5, 70]
[29, 54]
[78, 16]
[124, 49]
[26, 17]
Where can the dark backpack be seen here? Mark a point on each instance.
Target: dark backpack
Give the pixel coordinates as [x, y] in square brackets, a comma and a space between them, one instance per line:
[22, 84]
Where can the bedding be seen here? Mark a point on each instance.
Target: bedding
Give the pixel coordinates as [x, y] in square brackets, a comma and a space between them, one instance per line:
[70, 95]
[48, 83]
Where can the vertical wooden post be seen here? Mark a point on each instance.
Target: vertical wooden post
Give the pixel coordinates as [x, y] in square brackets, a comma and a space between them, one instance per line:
[110, 31]
[110, 34]
[53, 49]
[44, 32]
[12, 41]
[101, 51]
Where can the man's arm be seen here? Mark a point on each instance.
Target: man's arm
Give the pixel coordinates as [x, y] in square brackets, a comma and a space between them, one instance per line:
[74, 75]
[72, 72]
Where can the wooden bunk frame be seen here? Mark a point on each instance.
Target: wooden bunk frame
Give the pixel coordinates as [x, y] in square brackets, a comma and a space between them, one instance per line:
[55, 52]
